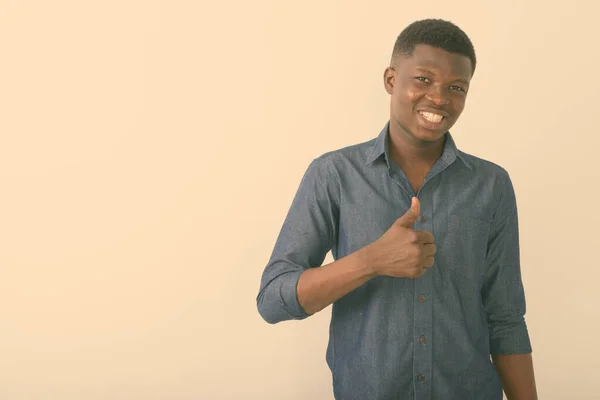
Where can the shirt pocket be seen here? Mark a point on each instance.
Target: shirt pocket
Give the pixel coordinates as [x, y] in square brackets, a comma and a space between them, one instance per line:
[465, 245]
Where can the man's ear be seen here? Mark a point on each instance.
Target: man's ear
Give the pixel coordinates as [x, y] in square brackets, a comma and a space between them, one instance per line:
[389, 79]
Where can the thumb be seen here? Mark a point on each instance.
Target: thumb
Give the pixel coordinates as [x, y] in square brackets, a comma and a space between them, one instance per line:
[410, 216]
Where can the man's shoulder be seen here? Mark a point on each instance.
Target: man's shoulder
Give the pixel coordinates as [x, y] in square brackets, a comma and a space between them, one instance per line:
[484, 167]
[349, 154]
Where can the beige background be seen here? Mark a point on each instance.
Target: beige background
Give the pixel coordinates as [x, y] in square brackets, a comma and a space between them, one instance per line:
[150, 150]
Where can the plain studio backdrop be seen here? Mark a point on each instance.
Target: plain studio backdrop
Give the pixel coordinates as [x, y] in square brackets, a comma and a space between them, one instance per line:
[150, 151]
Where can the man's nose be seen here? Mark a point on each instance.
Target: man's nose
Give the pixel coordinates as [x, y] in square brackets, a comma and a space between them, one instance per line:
[437, 95]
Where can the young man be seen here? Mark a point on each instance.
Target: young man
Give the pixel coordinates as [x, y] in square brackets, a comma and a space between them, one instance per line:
[426, 288]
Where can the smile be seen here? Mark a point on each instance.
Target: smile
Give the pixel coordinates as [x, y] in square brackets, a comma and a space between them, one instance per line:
[431, 117]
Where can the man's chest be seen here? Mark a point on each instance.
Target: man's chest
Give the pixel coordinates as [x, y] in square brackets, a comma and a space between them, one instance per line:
[457, 211]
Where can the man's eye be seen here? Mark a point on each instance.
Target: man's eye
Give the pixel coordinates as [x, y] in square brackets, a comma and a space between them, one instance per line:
[423, 79]
[458, 88]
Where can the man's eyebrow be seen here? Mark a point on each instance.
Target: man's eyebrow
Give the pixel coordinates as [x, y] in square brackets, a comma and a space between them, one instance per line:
[463, 81]
[428, 71]
[425, 70]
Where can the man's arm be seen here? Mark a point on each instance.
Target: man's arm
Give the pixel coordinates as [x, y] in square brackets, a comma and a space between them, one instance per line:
[399, 252]
[516, 374]
[309, 231]
[504, 300]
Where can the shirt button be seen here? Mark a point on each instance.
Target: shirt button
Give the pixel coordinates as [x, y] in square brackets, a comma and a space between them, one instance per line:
[423, 339]
[421, 299]
[421, 378]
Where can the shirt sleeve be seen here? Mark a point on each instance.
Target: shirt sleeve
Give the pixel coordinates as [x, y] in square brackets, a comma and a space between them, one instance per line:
[308, 233]
[503, 293]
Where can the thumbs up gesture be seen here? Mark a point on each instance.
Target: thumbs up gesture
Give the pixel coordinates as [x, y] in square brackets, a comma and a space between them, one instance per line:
[401, 251]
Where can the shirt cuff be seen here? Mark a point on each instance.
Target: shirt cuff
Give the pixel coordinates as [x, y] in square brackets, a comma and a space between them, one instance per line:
[510, 340]
[289, 295]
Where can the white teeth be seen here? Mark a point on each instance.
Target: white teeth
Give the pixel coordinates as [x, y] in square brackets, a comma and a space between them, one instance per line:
[431, 117]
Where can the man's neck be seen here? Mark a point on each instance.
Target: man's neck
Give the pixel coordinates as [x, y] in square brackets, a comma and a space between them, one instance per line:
[411, 155]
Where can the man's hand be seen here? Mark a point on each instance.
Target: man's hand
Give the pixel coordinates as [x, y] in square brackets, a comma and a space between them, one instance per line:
[402, 252]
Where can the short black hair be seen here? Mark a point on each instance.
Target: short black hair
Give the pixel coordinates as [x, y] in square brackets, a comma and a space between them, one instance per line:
[436, 33]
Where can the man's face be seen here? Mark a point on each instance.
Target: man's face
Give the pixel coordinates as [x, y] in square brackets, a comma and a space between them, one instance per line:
[428, 91]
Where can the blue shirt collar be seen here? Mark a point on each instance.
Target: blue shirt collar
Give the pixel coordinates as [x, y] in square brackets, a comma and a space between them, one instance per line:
[381, 147]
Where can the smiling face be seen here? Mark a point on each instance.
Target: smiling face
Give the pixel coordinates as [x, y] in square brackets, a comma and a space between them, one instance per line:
[428, 91]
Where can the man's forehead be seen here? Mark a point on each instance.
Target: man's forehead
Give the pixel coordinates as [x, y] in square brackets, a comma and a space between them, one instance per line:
[439, 60]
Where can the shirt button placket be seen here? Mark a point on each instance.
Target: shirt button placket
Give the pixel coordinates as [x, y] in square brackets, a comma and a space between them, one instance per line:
[423, 314]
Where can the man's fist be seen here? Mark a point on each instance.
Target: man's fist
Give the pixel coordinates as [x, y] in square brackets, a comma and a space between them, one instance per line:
[401, 251]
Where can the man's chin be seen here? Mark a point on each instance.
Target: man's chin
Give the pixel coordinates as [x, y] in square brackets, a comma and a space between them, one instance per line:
[426, 135]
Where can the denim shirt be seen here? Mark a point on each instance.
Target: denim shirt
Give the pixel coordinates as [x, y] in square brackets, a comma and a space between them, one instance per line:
[402, 338]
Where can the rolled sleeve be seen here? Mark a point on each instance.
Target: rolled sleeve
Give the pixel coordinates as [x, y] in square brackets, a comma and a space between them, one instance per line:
[307, 235]
[503, 292]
